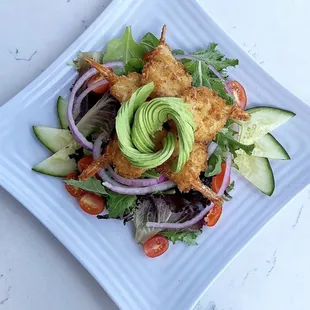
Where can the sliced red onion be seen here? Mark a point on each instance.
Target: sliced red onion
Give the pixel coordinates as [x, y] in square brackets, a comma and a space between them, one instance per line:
[212, 148]
[73, 128]
[79, 99]
[193, 57]
[136, 182]
[97, 146]
[96, 154]
[140, 190]
[74, 104]
[204, 212]
[106, 178]
[114, 64]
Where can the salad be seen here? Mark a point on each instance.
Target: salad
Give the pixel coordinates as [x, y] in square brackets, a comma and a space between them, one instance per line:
[149, 136]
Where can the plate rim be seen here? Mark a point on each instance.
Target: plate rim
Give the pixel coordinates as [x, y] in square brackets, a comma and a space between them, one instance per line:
[58, 61]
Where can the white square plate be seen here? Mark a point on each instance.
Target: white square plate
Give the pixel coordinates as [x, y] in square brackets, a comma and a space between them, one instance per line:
[106, 248]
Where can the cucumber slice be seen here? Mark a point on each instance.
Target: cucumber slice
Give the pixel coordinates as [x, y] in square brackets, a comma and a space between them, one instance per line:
[256, 170]
[268, 146]
[59, 164]
[53, 138]
[263, 120]
[62, 112]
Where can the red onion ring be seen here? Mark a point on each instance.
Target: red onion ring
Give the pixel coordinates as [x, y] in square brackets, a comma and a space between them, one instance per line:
[79, 99]
[114, 64]
[73, 128]
[73, 106]
[220, 77]
[204, 212]
[211, 148]
[136, 182]
[139, 190]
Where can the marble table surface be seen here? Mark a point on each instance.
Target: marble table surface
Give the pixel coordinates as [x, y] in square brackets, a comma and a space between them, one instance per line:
[37, 272]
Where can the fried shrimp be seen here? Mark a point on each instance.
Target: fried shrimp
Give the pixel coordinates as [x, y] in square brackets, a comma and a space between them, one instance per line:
[210, 112]
[112, 155]
[121, 87]
[168, 74]
[121, 165]
[188, 177]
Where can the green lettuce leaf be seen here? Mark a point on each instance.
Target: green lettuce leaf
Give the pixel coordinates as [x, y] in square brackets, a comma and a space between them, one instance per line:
[214, 57]
[188, 237]
[123, 49]
[134, 65]
[203, 76]
[91, 185]
[225, 140]
[230, 187]
[214, 165]
[149, 42]
[117, 204]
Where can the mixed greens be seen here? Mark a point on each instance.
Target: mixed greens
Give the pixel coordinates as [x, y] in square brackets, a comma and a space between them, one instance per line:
[155, 206]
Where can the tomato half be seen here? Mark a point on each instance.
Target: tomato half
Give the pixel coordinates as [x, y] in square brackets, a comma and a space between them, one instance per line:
[239, 93]
[95, 79]
[72, 190]
[213, 216]
[84, 162]
[155, 246]
[217, 180]
[92, 203]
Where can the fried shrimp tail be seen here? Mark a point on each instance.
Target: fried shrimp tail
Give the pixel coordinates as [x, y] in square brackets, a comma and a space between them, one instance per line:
[189, 177]
[101, 162]
[163, 35]
[207, 192]
[121, 87]
[109, 75]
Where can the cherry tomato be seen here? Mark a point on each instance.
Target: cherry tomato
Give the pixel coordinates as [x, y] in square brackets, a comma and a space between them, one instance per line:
[217, 180]
[239, 93]
[92, 203]
[213, 216]
[155, 246]
[74, 191]
[95, 79]
[84, 162]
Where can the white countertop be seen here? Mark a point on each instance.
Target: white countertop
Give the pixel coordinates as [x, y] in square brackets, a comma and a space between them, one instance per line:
[37, 272]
